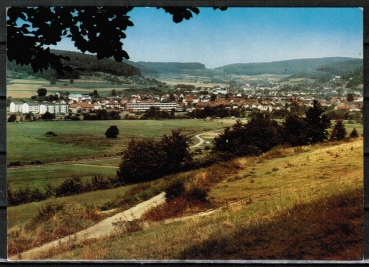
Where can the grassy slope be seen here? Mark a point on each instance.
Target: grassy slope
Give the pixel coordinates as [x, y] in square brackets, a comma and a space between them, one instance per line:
[284, 193]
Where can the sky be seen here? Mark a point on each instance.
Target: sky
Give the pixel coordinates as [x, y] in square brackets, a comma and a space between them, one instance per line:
[242, 35]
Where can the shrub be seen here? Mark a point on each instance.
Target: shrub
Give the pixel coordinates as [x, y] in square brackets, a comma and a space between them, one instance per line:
[50, 133]
[197, 195]
[12, 118]
[177, 189]
[112, 132]
[70, 186]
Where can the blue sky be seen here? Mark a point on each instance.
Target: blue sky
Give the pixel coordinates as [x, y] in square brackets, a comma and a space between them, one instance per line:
[242, 35]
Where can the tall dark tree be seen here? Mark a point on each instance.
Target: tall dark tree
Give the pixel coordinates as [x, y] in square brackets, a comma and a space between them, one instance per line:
[88, 27]
[338, 131]
[294, 131]
[317, 123]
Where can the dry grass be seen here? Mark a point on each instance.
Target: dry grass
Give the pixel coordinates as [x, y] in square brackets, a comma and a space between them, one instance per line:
[303, 203]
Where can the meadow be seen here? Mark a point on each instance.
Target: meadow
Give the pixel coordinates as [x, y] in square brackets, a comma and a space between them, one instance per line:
[80, 147]
[293, 203]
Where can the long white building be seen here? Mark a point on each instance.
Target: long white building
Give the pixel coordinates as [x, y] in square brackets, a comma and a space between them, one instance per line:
[142, 106]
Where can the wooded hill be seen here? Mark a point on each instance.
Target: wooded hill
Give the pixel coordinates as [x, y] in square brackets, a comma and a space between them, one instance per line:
[320, 69]
[328, 64]
[89, 64]
[168, 67]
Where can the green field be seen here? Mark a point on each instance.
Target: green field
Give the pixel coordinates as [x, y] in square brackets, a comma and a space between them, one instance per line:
[86, 139]
[39, 176]
[80, 143]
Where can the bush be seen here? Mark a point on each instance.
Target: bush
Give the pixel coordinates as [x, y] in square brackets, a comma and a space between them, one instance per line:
[70, 186]
[197, 195]
[50, 133]
[112, 132]
[147, 159]
[12, 118]
[175, 190]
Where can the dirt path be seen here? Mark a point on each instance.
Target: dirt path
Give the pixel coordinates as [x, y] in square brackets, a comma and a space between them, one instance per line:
[102, 229]
[201, 140]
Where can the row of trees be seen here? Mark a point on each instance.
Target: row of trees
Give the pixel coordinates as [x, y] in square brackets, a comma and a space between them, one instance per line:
[262, 133]
[102, 114]
[148, 159]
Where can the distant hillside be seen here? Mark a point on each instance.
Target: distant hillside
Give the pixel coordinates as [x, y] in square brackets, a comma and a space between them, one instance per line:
[348, 69]
[281, 67]
[89, 63]
[168, 67]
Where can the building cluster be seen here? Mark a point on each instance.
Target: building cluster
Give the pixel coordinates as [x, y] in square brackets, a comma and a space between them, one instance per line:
[180, 101]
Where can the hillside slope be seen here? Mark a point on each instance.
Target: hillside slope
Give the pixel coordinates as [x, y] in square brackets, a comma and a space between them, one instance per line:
[279, 190]
[284, 67]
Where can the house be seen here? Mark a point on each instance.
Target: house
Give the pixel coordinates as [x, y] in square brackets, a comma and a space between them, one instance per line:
[31, 107]
[54, 108]
[142, 106]
[15, 107]
[79, 97]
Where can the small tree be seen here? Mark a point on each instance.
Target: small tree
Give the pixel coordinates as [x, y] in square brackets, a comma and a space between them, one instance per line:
[112, 132]
[42, 92]
[350, 97]
[338, 131]
[354, 133]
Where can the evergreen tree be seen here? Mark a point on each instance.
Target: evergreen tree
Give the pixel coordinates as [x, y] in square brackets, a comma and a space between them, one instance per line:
[294, 131]
[354, 133]
[317, 123]
[338, 131]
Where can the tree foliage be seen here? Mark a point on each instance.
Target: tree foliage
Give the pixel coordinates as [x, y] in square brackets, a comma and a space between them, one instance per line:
[261, 133]
[294, 131]
[339, 131]
[48, 116]
[112, 132]
[317, 123]
[96, 30]
[253, 138]
[354, 133]
[42, 92]
[147, 159]
[12, 118]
